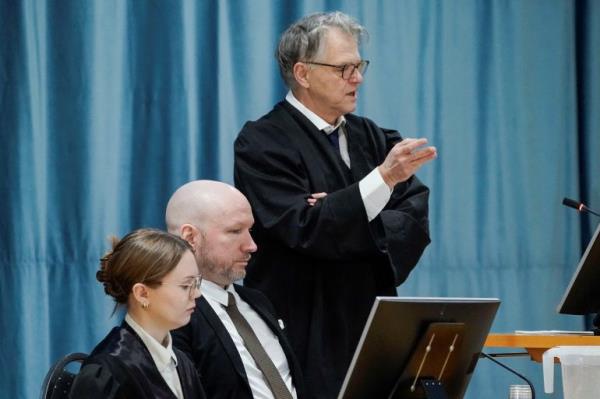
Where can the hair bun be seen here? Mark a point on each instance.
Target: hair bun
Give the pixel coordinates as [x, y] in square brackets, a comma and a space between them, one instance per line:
[104, 275]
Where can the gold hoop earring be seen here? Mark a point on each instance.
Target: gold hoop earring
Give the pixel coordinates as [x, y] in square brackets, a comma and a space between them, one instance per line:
[145, 305]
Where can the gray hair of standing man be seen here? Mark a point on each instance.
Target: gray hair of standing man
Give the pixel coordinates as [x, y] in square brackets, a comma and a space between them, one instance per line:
[303, 40]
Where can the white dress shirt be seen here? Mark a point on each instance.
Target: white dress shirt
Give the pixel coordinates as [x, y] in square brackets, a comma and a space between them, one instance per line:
[163, 356]
[374, 191]
[217, 298]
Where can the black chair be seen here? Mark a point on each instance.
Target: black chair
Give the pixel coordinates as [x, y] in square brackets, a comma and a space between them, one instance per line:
[58, 380]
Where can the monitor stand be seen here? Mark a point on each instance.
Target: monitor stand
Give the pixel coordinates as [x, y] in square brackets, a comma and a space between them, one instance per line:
[430, 363]
[433, 388]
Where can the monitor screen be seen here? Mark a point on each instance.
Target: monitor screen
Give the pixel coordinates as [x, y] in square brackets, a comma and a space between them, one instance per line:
[583, 293]
[393, 336]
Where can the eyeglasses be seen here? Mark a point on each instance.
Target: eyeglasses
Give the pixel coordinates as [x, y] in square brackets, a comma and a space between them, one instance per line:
[191, 286]
[347, 70]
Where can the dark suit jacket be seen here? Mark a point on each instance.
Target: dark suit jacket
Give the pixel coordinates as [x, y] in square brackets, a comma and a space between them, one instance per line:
[121, 367]
[207, 342]
[323, 266]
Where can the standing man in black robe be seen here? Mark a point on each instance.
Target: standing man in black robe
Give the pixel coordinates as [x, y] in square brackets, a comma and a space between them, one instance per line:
[340, 216]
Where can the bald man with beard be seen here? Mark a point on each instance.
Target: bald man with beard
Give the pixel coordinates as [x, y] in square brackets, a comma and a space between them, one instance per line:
[215, 218]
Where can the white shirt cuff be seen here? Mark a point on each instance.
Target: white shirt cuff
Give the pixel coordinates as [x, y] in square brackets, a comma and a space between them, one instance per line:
[374, 192]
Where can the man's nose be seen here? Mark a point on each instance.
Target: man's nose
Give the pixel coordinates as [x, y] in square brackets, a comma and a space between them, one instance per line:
[356, 77]
[250, 246]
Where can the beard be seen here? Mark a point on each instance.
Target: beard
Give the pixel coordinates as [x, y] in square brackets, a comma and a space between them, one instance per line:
[232, 274]
[218, 270]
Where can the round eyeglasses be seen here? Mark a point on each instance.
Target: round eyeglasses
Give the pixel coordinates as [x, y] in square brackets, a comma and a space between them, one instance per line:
[347, 70]
[192, 285]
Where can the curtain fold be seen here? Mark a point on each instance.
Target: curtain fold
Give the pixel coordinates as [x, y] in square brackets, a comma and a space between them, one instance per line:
[107, 106]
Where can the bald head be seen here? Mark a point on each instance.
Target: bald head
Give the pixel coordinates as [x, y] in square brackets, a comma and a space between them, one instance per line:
[201, 202]
[215, 218]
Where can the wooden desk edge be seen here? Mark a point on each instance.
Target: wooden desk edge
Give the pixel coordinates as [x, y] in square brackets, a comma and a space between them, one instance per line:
[536, 345]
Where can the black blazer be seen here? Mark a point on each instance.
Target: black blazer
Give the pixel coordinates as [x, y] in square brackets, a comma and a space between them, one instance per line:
[207, 342]
[121, 367]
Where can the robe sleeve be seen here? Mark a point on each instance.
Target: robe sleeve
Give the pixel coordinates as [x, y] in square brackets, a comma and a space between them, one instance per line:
[95, 381]
[402, 228]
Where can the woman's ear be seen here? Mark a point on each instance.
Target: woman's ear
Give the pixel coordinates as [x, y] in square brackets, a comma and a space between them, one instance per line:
[141, 294]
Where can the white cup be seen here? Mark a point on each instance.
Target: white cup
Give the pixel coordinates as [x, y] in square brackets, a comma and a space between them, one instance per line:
[519, 392]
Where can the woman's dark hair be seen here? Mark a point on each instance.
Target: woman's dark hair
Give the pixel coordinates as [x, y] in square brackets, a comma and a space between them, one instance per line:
[142, 256]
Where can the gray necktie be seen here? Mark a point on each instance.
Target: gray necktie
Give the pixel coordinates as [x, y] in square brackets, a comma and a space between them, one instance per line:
[263, 361]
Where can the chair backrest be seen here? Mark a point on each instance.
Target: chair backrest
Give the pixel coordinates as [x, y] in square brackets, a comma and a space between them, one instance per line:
[58, 381]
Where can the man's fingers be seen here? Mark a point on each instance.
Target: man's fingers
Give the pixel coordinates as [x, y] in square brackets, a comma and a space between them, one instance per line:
[410, 145]
[424, 153]
[423, 156]
[314, 197]
[405, 158]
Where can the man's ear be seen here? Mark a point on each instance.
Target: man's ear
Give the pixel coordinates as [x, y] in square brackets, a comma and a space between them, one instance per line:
[141, 294]
[190, 233]
[301, 74]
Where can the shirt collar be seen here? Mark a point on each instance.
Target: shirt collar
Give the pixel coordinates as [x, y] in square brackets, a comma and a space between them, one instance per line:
[163, 356]
[316, 120]
[216, 292]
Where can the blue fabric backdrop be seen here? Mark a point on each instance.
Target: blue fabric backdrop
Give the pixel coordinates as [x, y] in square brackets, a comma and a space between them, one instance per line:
[107, 106]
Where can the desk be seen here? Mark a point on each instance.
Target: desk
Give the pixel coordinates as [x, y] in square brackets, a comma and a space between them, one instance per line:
[536, 345]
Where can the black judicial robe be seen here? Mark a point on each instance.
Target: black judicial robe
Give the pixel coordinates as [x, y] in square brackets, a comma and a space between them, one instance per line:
[206, 341]
[322, 266]
[121, 367]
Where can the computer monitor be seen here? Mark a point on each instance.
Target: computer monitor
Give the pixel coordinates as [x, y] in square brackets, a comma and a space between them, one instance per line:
[582, 296]
[395, 336]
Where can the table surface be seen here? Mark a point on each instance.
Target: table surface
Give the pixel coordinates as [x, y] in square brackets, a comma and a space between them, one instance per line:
[536, 345]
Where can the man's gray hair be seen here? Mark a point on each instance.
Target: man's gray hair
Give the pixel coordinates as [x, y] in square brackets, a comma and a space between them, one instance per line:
[303, 40]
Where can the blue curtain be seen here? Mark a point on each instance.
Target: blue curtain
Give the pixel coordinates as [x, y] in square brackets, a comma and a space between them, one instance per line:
[107, 106]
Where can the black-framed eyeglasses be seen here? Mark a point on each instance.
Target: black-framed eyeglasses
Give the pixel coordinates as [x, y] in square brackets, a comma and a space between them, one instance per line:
[191, 286]
[347, 70]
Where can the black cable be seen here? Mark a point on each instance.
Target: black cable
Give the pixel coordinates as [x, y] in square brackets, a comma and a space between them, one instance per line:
[508, 354]
[512, 371]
